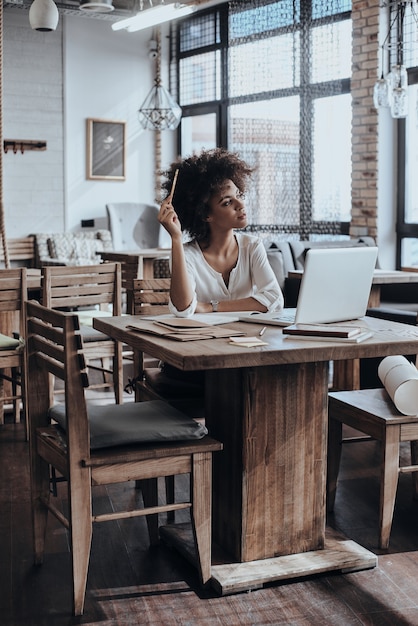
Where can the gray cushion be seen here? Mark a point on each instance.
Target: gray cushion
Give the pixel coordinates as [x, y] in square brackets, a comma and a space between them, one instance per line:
[91, 334]
[275, 258]
[134, 422]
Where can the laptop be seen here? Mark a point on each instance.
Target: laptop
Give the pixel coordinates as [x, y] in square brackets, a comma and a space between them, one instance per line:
[335, 287]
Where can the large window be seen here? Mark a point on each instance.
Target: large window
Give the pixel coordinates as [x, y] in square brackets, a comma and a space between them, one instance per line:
[271, 81]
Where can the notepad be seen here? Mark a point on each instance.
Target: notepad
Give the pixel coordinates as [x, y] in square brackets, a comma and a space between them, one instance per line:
[358, 338]
[323, 330]
[247, 342]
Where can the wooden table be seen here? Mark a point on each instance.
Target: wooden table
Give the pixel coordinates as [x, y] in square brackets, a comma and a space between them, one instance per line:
[380, 277]
[268, 406]
[135, 264]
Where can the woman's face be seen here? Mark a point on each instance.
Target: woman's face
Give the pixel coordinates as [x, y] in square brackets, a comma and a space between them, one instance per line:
[227, 207]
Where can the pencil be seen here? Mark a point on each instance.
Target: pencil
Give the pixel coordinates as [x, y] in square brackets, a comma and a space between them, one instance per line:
[173, 186]
[262, 331]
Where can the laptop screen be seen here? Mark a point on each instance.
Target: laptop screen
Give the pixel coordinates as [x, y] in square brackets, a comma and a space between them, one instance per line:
[336, 284]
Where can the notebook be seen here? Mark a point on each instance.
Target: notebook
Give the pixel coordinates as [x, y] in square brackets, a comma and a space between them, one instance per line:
[335, 287]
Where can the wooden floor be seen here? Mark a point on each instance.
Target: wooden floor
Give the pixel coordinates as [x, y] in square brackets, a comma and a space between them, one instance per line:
[130, 584]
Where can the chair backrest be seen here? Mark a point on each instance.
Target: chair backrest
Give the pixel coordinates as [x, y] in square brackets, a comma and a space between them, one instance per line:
[150, 296]
[54, 346]
[133, 225]
[13, 294]
[66, 287]
[20, 250]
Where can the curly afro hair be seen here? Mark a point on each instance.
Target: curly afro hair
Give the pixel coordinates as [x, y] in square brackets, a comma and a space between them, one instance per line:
[199, 177]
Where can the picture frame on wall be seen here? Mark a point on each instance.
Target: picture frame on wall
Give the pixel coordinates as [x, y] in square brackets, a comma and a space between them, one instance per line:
[106, 149]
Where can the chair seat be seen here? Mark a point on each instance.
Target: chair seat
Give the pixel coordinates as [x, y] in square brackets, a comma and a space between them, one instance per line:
[89, 334]
[134, 422]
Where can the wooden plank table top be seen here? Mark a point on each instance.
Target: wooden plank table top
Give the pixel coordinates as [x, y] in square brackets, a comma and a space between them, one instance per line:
[268, 406]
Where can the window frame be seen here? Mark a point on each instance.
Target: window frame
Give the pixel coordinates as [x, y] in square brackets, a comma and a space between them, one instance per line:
[307, 92]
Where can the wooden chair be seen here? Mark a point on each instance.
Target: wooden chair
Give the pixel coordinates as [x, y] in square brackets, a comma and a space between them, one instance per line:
[81, 288]
[151, 297]
[94, 445]
[372, 412]
[13, 294]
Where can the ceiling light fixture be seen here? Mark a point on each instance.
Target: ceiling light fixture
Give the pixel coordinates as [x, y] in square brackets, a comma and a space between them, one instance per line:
[43, 15]
[153, 16]
[391, 90]
[96, 6]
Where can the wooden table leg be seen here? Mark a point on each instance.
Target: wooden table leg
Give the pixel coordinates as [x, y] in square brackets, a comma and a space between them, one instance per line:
[269, 482]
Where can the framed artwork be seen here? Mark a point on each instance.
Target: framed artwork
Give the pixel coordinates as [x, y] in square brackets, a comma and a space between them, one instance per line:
[105, 150]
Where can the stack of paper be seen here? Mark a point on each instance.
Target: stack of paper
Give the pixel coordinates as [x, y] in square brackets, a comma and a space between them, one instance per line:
[183, 329]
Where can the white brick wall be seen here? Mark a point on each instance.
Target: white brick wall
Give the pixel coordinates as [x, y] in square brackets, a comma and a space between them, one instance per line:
[33, 182]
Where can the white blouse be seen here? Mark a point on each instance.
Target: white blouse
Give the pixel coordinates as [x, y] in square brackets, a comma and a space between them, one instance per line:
[251, 277]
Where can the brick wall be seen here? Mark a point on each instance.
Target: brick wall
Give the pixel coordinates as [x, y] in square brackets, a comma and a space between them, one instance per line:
[365, 64]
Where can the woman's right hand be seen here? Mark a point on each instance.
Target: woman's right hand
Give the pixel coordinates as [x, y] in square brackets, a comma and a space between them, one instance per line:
[168, 218]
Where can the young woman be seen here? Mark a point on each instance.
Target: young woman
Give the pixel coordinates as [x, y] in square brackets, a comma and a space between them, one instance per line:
[219, 269]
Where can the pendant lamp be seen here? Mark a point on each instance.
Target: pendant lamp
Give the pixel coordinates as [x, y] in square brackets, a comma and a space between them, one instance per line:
[159, 111]
[43, 15]
[391, 90]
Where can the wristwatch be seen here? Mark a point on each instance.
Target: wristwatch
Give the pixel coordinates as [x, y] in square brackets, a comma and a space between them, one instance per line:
[214, 304]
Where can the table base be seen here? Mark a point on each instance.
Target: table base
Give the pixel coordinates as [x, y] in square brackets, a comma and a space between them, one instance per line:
[339, 554]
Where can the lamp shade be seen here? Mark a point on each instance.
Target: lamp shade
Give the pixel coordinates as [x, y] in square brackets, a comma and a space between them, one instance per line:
[43, 15]
[159, 111]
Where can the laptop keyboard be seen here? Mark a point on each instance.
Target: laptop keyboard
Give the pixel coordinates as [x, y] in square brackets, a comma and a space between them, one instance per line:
[287, 316]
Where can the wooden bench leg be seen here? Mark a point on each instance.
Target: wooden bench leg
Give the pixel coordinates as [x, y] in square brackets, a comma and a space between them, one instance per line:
[201, 513]
[170, 495]
[149, 488]
[334, 458]
[388, 483]
[81, 535]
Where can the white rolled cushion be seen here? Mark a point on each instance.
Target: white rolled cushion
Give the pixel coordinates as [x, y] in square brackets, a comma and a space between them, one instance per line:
[134, 422]
[400, 379]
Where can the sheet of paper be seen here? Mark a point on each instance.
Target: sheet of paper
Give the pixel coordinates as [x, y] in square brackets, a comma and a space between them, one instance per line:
[247, 342]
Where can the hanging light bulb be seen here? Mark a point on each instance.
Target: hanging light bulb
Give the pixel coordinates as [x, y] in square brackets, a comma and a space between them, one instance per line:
[381, 93]
[43, 15]
[392, 90]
